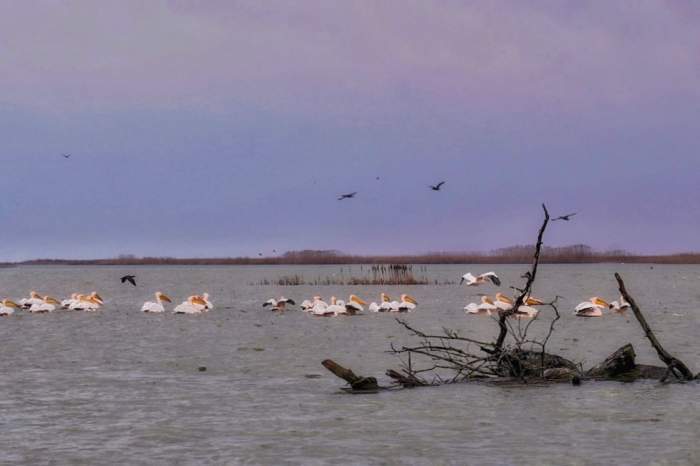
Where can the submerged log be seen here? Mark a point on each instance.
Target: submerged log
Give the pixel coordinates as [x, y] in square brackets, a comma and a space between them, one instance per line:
[357, 382]
[525, 363]
[618, 363]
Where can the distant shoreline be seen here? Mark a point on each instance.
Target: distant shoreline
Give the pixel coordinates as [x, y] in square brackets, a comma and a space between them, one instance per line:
[430, 259]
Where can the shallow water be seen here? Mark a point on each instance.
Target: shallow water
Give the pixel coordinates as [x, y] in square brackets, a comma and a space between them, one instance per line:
[120, 386]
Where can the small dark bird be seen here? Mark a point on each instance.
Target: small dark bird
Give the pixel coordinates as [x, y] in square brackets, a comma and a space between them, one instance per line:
[129, 278]
[437, 186]
[260, 254]
[377, 178]
[347, 196]
[66, 156]
[566, 217]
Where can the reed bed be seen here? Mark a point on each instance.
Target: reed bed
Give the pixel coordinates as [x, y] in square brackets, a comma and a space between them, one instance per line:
[383, 274]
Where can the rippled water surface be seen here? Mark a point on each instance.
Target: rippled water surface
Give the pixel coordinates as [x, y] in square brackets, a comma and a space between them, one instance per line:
[122, 387]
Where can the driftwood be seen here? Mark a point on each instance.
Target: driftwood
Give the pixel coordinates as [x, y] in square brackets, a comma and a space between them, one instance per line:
[675, 366]
[357, 383]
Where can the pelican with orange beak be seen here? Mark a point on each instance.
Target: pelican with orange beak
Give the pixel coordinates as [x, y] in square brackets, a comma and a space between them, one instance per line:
[34, 298]
[407, 303]
[7, 307]
[193, 305]
[383, 306]
[48, 304]
[354, 305]
[486, 307]
[591, 308]
[156, 306]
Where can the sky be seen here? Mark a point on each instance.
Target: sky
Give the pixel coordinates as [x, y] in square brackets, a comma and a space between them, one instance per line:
[228, 128]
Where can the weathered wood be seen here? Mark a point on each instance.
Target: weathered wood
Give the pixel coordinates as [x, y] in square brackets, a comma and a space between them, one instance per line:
[675, 365]
[406, 380]
[525, 363]
[356, 382]
[618, 363]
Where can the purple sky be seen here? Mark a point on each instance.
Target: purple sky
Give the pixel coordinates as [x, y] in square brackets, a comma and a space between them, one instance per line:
[225, 128]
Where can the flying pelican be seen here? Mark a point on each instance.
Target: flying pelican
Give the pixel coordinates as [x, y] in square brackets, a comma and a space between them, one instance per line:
[48, 304]
[193, 305]
[384, 306]
[437, 186]
[486, 307]
[347, 196]
[34, 298]
[481, 279]
[156, 306]
[591, 308]
[620, 306]
[7, 307]
[353, 306]
[279, 304]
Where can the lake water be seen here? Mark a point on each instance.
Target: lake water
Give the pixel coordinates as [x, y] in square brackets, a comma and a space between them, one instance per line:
[123, 387]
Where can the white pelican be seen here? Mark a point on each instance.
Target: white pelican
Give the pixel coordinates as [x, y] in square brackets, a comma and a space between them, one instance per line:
[505, 303]
[591, 308]
[156, 306]
[91, 302]
[7, 307]
[336, 307]
[279, 304]
[485, 307]
[34, 298]
[66, 303]
[48, 304]
[407, 303]
[320, 309]
[353, 306]
[481, 279]
[307, 305]
[193, 305]
[620, 306]
[384, 306]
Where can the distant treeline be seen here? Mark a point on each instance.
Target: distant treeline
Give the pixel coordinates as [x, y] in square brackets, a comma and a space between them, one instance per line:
[574, 254]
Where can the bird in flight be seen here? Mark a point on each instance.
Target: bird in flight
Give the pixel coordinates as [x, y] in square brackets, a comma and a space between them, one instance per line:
[437, 186]
[566, 217]
[129, 278]
[347, 196]
[66, 156]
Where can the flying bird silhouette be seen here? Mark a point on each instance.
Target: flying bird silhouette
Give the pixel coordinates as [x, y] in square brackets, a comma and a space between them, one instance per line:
[437, 186]
[129, 278]
[347, 196]
[66, 156]
[566, 217]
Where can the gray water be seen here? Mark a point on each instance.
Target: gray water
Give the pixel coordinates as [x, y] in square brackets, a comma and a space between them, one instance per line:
[120, 386]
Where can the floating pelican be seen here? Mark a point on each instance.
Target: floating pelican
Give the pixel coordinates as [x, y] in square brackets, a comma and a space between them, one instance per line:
[156, 306]
[591, 308]
[407, 303]
[193, 305]
[353, 306]
[90, 303]
[503, 302]
[336, 307]
[320, 308]
[66, 303]
[208, 304]
[7, 307]
[481, 279]
[48, 304]
[34, 298]
[384, 306]
[307, 305]
[525, 312]
[486, 307]
[620, 306]
[279, 304]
